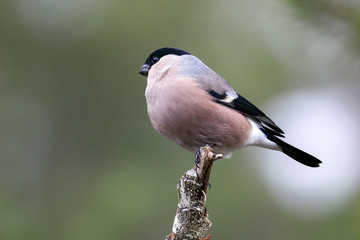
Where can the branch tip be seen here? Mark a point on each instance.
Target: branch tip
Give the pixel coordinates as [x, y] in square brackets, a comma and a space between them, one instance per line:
[191, 220]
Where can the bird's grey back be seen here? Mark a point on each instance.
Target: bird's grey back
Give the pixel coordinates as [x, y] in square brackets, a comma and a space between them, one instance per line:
[191, 66]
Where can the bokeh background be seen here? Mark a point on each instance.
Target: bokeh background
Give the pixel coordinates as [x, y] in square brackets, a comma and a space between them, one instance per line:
[79, 158]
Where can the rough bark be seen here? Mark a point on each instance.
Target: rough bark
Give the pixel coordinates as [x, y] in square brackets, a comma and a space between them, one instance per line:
[191, 220]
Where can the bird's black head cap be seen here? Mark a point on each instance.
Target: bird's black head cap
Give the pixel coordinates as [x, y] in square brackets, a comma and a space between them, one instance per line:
[155, 56]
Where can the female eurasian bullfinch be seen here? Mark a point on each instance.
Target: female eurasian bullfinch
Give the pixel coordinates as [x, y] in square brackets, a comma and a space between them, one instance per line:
[192, 105]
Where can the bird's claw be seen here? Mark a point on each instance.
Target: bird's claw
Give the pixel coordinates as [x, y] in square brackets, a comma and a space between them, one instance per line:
[197, 161]
[197, 158]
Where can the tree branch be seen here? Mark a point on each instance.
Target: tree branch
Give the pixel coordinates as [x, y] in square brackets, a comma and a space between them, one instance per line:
[191, 220]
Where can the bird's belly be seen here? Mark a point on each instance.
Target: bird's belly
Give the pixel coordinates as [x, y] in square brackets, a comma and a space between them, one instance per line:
[208, 123]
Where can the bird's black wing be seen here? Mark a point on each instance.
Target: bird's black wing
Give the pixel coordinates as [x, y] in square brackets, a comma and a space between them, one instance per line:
[245, 107]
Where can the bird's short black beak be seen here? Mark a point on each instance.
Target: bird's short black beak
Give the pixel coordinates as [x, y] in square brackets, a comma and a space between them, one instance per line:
[144, 70]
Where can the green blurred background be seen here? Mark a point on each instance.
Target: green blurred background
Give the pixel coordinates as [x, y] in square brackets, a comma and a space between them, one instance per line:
[79, 158]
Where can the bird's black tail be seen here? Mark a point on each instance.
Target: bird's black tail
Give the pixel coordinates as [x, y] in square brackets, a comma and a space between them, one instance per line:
[293, 152]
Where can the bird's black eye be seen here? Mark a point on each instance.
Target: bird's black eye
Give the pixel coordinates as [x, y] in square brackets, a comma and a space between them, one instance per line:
[155, 59]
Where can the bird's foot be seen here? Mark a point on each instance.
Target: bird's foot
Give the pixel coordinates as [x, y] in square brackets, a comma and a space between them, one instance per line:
[198, 155]
[197, 158]
[197, 161]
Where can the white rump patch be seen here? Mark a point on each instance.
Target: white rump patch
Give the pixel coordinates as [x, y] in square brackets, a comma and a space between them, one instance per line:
[258, 138]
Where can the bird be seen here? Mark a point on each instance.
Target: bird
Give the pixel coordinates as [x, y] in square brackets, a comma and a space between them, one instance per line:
[193, 106]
